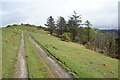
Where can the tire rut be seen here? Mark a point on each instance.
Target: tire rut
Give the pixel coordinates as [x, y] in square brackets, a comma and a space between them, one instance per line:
[20, 70]
[61, 73]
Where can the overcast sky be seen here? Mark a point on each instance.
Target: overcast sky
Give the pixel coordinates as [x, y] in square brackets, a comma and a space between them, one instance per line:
[101, 13]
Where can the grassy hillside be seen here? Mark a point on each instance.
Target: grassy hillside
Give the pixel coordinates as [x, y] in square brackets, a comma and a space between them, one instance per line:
[10, 46]
[83, 62]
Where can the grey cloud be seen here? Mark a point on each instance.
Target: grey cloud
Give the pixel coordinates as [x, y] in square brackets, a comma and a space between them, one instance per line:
[13, 18]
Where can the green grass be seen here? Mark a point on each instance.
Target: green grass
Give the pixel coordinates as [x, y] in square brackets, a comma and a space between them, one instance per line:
[10, 47]
[37, 67]
[84, 62]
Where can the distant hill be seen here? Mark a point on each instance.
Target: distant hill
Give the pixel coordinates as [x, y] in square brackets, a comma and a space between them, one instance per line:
[113, 31]
[110, 31]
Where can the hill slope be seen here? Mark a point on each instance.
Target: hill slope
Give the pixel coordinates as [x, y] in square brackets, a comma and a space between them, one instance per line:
[83, 62]
[74, 58]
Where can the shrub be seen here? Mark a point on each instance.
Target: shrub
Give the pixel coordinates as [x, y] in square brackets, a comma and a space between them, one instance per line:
[67, 33]
[88, 45]
[9, 26]
[22, 24]
[15, 25]
[64, 37]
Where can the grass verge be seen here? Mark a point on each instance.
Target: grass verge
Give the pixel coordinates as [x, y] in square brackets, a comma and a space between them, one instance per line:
[10, 47]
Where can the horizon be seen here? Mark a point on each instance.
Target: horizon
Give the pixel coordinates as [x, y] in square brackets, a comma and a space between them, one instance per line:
[47, 27]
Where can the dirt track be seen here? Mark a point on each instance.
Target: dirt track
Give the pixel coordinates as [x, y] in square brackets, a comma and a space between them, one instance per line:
[58, 70]
[20, 70]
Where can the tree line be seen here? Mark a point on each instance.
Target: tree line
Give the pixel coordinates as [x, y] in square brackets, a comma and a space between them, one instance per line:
[73, 30]
[69, 27]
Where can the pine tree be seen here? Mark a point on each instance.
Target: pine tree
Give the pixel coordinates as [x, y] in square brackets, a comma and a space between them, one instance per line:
[61, 25]
[88, 24]
[74, 22]
[50, 24]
